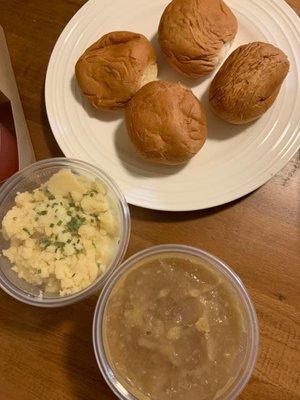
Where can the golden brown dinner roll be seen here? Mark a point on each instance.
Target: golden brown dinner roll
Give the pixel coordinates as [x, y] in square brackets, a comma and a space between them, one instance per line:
[248, 82]
[166, 123]
[195, 34]
[115, 67]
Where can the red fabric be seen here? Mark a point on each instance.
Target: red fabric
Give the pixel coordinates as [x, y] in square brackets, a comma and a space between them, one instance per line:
[8, 154]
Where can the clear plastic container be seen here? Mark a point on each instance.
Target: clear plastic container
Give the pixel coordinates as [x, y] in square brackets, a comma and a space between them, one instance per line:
[251, 349]
[32, 177]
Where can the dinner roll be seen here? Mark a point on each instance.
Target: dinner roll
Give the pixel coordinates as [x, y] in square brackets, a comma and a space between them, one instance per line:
[195, 34]
[248, 82]
[115, 67]
[166, 122]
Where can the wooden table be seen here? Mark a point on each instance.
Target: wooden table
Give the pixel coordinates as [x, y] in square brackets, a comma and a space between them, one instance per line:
[48, 354]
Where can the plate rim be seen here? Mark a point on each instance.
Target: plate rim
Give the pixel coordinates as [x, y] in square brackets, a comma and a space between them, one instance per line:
[239, 194]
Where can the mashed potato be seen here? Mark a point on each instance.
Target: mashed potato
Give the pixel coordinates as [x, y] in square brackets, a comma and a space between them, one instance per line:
[63, 234]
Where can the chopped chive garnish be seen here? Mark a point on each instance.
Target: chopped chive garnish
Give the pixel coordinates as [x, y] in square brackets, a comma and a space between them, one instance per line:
[49, 195]
[45, 242]
[90, 192]
[26, 230]
[71, 201]
[75, 223]
[59, 245]
[44, 212]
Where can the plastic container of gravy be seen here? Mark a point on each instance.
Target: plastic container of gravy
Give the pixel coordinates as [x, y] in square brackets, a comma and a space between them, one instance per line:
[175, 323]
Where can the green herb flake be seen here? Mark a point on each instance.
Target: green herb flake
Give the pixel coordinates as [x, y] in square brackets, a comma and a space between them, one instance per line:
[45, 242]
[75, 223]
[59, 222]
[71, 201]
[52, 225]
[69, 241]
[26, 230]
[44, 212]
[54, 204]
[91, 192]
[49, 195]
[73, 275]
[59, 245]
[69, 213]
[39, 271]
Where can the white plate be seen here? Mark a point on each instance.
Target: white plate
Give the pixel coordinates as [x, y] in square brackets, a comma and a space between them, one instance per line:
[235, 159]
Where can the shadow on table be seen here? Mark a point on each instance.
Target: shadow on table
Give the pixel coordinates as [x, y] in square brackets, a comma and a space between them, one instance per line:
[52, 145]
[84, 376]
[62, 335]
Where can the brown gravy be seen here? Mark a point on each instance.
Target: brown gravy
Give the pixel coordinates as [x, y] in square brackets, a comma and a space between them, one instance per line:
[173, 330]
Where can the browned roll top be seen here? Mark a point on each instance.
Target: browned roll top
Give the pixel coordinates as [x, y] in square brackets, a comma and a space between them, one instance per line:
[111, 70]
[248, 82]
[166, 123]
[192, 34]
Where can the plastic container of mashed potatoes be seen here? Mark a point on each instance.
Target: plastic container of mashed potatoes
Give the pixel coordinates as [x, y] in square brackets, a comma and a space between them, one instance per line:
[31, 178]
[123, 386]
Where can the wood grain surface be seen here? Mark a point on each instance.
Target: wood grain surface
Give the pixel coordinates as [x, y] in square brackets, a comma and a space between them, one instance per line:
[48, 354]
